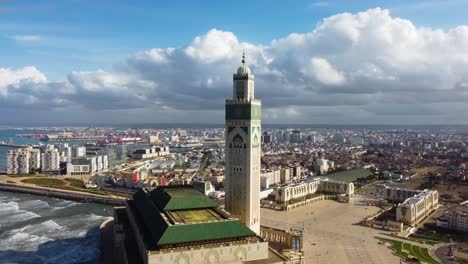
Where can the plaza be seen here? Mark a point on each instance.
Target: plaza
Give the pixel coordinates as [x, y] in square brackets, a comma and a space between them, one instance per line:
[332, 233]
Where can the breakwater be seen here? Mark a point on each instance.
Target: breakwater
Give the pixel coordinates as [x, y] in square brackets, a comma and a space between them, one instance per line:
[73, 196]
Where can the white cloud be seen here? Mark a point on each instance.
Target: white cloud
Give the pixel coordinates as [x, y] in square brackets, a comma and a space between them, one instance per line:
[324, 72]
[26, 38]
[320, 4]
[11, 79]
[353, 67]
[213, 46]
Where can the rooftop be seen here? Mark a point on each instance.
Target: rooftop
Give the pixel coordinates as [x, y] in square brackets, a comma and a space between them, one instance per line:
[177, 198]
[174, 216]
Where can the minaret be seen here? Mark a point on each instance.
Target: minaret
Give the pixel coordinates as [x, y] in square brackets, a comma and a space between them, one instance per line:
[243, 150]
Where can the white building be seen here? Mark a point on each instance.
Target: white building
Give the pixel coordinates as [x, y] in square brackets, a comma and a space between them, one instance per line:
[269, 177]
[458, 218]
[152, 152]
[206, 187]
[243, 150]
[78, 151]
[78, 166]
[35, 159]
[322, 166]
[18, 161]
[99, 163]
[87, 165]
[336, 187]
[23, 160]
[416, 208]
[398, 195]
[297, 190]
[286, 193]
[153, 139]
[50, 159]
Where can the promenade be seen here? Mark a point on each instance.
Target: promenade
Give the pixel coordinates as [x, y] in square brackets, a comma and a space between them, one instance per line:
[63, 194]
[332, 233]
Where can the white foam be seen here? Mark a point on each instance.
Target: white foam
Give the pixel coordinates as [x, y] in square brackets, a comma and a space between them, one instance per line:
[11, 214]
[66, 203]
[34, 204]
[22, 241]
[48, 235]
[49, 226]
[9, 206]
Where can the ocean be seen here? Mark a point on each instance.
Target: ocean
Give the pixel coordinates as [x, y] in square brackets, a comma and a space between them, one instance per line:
[36, 229]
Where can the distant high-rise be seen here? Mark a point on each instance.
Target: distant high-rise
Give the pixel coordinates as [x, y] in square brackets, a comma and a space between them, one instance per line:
[243, 150]
[78, 151]
[18, 161]
[24, 160]
[50, 159]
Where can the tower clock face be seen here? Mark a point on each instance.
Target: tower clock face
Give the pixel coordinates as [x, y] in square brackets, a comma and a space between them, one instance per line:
[237, 141]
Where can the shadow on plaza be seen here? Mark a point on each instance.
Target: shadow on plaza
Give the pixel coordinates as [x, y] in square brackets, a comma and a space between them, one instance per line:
[70, 250]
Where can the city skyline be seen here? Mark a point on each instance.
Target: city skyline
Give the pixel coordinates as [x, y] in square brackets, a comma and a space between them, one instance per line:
[371, 66]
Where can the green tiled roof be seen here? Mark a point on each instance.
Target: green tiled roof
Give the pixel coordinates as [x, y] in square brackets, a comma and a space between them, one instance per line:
[167, 198]
[160, 232]
[205, 231]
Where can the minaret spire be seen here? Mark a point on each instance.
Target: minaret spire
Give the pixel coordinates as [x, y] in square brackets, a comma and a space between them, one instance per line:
[243, 149]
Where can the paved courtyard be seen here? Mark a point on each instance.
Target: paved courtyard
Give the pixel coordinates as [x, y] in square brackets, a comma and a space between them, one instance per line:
[331, 233]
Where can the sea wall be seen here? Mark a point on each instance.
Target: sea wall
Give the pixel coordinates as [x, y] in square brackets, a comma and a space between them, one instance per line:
[74, 196]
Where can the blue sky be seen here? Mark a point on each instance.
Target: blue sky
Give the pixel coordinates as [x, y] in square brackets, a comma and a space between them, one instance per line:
[315, 62]
[67, 35]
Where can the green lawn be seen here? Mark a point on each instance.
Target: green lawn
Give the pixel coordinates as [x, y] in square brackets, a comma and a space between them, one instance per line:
[75, 182]
[45, 182]
[349, 175]
[423, 241]
[439, 234]
[408, 251]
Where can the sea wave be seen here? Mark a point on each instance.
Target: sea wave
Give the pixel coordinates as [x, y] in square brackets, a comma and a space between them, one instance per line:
[48, 230]
[8, 206]
[22, 241]
[34, 204]
[11, 214]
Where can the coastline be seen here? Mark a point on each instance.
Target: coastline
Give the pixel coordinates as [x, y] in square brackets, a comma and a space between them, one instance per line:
[63, 194]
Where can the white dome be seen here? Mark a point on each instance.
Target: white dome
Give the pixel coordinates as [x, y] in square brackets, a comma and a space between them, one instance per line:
[243, 70]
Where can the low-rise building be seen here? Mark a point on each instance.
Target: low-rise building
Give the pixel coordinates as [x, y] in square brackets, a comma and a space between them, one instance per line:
[398, 195]
[88, 165]
[78, 166]
[150, 152]
[204, 186]
[416, 208]
[458, 218]
[297, 190]
[285, 175]
[335, 187]
[269, 177]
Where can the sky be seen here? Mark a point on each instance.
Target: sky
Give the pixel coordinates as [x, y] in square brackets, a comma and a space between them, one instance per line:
[315, 62]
